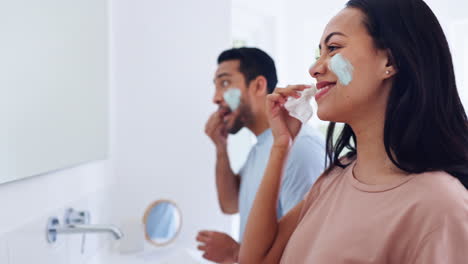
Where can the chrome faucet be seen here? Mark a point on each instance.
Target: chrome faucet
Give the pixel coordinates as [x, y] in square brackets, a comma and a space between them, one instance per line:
[81, 229]
[77, 222]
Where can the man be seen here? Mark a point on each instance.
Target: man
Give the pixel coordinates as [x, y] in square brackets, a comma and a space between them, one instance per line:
[243, 79]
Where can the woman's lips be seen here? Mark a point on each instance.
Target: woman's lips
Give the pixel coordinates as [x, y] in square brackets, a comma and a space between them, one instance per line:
[323, 90]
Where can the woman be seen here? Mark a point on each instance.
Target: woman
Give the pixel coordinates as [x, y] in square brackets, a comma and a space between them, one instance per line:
[398, 195]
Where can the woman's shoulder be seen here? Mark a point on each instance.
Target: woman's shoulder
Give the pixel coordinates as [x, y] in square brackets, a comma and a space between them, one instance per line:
[441, 183]
[440, 193]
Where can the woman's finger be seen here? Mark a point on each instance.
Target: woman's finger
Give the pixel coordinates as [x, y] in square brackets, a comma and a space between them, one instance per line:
[299, 87]
[275, 98]
[287, 92]
[292, 90]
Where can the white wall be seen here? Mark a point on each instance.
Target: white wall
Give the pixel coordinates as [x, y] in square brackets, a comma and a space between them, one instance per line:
[458, 41]
[165, 57]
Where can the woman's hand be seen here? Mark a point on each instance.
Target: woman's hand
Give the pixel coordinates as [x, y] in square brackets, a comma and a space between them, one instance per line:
[284, 127]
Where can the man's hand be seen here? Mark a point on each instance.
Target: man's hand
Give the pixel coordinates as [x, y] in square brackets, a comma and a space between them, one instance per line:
[216, 129]
[218, 247]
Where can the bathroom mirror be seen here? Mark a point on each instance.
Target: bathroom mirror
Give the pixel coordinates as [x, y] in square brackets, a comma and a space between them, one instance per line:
[54, 85]
[162, 222]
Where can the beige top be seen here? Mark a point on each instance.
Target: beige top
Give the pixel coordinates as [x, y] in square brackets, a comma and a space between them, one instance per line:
[421, 219]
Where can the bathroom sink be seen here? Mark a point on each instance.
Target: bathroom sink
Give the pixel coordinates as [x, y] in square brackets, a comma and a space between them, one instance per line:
[155, 256]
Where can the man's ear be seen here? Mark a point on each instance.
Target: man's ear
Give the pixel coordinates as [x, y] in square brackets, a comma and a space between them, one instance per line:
[390, 66]
[260, 86]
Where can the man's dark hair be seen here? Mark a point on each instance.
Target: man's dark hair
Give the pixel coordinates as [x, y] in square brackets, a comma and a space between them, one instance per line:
[253, 63]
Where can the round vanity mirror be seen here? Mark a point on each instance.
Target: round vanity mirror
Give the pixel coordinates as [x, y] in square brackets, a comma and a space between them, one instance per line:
[162, 222]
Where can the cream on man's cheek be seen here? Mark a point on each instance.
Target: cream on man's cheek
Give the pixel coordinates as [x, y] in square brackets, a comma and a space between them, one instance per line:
[232, 98]
[342, 68]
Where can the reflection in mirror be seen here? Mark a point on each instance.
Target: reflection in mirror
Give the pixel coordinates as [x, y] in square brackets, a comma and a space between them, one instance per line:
[163, 222]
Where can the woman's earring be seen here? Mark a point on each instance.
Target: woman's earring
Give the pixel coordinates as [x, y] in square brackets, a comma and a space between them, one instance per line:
[387, 72]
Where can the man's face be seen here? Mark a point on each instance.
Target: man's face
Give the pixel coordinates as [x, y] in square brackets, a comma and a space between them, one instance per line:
[228, 76]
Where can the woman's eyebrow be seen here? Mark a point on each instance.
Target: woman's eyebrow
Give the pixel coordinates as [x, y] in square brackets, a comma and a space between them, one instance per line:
[331, 35]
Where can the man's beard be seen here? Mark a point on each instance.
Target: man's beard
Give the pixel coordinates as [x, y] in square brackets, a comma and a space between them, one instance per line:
[238, 125]
[240, 121]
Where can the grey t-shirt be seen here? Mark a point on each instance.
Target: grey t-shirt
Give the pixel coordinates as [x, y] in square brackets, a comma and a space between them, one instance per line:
[305, 164]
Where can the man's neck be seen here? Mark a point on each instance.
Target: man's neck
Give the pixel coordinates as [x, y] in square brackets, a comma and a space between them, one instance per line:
[259, 125]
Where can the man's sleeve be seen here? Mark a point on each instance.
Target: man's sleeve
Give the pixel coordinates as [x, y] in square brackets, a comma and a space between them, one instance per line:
[305, 164]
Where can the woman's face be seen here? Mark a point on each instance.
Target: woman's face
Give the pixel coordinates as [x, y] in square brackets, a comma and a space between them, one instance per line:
[351, 72]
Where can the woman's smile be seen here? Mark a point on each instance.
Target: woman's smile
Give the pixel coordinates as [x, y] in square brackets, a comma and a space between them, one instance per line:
[323, 89]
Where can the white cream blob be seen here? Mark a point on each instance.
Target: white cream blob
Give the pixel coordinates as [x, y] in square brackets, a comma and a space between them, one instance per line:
[232, 97]
[342, 68]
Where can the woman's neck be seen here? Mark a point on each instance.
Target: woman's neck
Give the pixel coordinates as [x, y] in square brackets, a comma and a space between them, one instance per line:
[373, 166]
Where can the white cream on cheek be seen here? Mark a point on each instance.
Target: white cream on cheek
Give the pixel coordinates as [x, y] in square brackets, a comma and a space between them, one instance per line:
[232, 97]
[342, 68]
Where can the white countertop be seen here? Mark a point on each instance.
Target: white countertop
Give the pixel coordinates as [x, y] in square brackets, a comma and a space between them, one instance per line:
[169, 255]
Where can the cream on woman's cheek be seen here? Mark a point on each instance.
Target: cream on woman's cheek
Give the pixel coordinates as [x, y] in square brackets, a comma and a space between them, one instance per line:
[232, 98]
[342, 68]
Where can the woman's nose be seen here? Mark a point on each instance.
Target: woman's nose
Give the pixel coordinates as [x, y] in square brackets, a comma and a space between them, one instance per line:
[318, 68]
